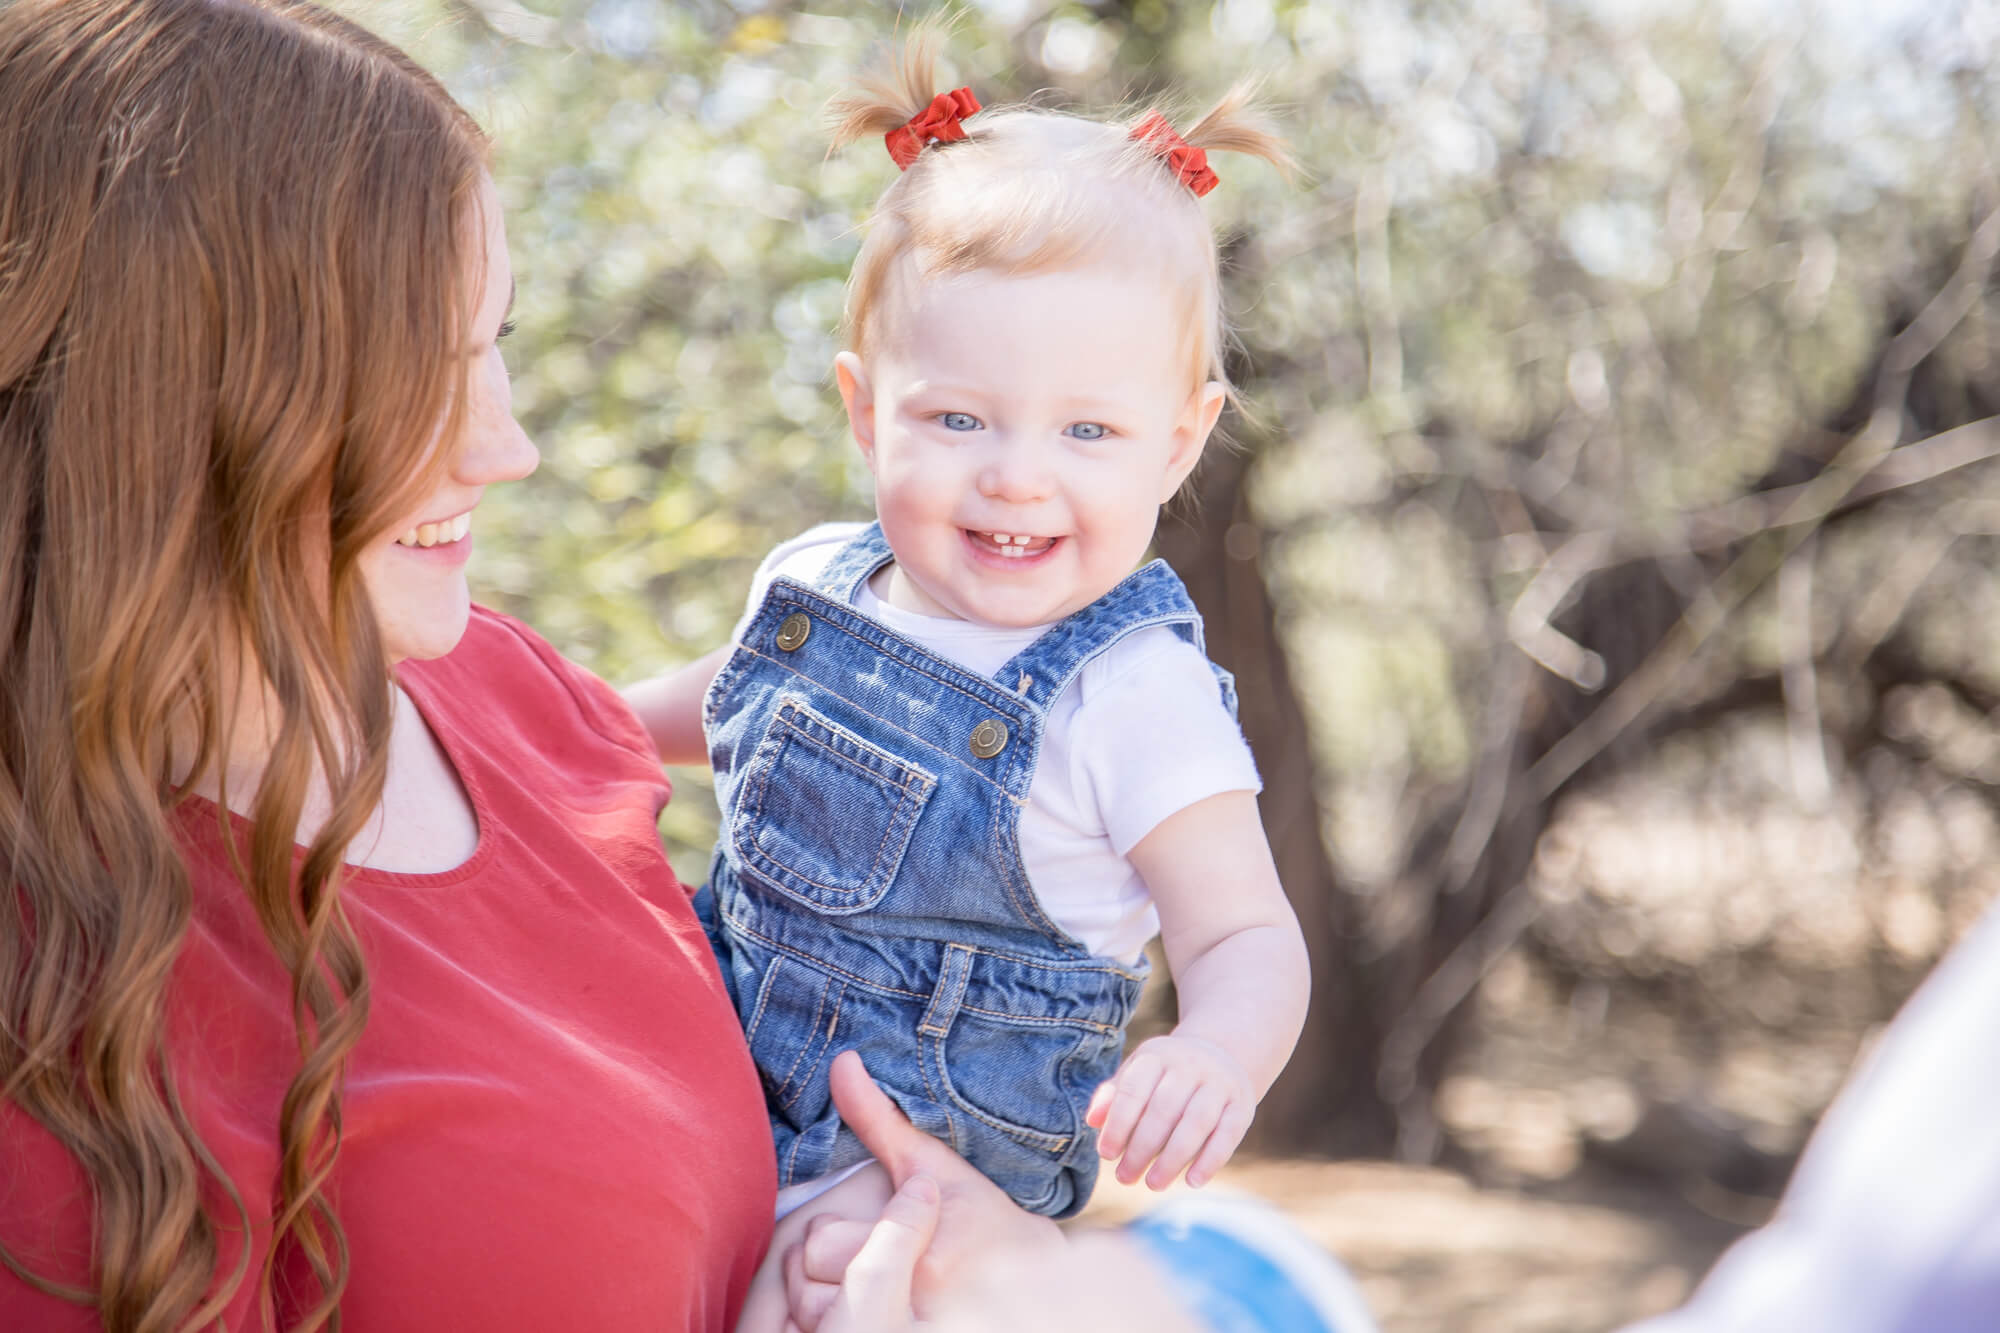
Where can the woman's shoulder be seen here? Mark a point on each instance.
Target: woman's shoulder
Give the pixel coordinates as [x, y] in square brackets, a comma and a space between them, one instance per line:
[504, 676]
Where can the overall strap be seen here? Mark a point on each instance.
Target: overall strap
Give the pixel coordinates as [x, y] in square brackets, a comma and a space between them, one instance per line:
[854, 564]
[1150, 595]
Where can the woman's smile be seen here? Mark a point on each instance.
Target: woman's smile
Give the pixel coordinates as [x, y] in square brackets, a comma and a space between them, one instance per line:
[445, 541]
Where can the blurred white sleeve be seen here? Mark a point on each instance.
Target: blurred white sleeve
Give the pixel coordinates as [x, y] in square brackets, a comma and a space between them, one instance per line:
[1892, 1220]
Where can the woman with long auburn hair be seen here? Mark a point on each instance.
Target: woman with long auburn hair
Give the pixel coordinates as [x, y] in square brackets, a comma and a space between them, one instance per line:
[343, 981]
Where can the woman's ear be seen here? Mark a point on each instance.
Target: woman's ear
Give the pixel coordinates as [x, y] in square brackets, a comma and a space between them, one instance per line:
[858, 393]
[1197, 423]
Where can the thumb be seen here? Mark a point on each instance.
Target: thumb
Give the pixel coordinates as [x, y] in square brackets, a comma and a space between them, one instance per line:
[875, 1294]
[879, 1123]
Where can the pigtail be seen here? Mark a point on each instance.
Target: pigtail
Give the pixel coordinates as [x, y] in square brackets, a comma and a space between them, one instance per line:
[1236, 124]
[887, 98]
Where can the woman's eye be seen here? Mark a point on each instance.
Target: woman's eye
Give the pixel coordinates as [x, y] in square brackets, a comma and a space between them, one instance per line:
[1087, 430]
[959, 421]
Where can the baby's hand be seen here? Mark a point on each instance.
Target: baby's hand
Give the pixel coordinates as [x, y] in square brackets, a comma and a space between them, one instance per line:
[1175, 1101]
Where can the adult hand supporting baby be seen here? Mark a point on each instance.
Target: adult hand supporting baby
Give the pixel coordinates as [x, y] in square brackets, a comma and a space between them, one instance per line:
[874, 1296]
[976, 1219]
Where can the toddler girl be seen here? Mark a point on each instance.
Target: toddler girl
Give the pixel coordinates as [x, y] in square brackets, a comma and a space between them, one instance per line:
[971, 757]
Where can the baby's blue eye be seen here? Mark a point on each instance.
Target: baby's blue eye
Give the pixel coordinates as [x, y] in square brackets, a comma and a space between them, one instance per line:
[959, 421]
[1087, 430]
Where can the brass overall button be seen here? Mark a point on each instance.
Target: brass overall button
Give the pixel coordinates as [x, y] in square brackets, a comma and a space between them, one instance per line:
[989, 738]
[793, 632]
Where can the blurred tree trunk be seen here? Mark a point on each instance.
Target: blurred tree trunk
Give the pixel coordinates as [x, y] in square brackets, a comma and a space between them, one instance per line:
[1326, 1101]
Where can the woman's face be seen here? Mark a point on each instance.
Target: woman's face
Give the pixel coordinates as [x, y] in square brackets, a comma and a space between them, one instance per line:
[416, 575]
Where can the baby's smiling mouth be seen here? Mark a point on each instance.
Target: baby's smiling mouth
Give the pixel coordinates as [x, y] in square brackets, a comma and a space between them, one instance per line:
[1012, 545]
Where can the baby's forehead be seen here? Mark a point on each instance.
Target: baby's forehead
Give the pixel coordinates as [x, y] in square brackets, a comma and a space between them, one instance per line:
[1111, 325]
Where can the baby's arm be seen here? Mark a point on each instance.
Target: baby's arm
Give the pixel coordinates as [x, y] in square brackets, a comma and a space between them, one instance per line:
[1183, 1101]
[670, 706]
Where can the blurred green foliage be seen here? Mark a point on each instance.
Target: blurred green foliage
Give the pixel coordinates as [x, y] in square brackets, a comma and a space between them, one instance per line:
[1553, 269]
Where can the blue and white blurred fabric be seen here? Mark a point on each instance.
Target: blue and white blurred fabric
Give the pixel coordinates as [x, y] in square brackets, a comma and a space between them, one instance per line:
[1892, 1221]
[1241, 1267]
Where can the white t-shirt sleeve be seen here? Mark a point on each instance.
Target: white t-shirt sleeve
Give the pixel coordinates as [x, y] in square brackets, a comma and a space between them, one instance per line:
[1152, 736]
[802, 558]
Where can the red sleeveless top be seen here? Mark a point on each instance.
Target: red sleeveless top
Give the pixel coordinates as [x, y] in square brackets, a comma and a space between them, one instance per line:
[551, 1120]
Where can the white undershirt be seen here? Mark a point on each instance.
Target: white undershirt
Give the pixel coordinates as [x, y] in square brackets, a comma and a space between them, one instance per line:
[1141, 733]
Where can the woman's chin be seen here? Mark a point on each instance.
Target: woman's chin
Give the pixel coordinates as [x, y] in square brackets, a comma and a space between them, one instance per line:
[423, 628]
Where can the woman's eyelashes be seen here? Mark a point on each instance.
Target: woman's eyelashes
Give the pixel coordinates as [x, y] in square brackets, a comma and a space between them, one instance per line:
[506, 330]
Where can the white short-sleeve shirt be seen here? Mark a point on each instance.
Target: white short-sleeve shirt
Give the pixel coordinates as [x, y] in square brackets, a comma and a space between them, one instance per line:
[1109, 773]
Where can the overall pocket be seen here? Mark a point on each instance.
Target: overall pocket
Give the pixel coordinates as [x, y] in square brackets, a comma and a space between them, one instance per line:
[1005, 1073]
[823, 816]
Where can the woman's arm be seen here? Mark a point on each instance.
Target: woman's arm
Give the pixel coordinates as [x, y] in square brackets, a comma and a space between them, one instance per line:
[670, 706]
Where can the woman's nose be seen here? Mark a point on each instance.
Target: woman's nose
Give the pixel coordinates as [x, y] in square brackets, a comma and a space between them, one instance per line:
[495, 448]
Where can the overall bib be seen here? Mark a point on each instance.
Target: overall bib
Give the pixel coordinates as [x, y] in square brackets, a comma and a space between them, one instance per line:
[868, 891]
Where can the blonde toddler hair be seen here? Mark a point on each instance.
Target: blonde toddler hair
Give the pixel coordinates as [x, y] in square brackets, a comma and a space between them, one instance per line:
[1029, 190]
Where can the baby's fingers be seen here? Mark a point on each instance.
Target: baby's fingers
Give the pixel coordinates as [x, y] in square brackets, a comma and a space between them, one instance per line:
[1221, 1143]
[1197, 1123]
[1163, 1111]
[1128, 1092]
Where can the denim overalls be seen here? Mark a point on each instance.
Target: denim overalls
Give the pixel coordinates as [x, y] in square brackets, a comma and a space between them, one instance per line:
[868, 891]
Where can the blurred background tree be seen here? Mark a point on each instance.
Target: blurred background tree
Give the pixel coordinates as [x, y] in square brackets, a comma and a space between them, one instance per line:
[1604, 559]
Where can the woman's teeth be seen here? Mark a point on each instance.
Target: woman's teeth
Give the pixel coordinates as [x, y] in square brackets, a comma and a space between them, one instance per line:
[437, 534]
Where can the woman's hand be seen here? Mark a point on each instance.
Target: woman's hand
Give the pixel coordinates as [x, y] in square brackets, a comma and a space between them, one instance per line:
[874, 1295]
[975, 1218]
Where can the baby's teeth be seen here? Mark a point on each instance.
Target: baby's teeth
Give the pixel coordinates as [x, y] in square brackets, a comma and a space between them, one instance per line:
[999, 538]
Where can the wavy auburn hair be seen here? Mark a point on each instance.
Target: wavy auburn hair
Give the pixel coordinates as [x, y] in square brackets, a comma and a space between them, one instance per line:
[237, 259]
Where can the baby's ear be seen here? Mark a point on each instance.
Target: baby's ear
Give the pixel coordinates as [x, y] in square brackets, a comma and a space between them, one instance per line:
[1191, 434]
[858, 393]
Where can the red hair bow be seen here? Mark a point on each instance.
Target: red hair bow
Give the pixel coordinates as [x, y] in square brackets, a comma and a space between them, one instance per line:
[1189, 164]
[937, 121]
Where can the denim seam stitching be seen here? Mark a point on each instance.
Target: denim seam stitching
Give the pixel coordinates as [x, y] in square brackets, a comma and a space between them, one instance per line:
[788, 713]
[1038, 1020]
[827, 1044]
[1004, 832]
[899, 657]
[1026, 1135]
[812, 1035]
[1054, 685]
[759, 856]
[1055, 965]
[955, 976]
[820, 963]
[763, 998]
[928, 745]
[897, 817]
